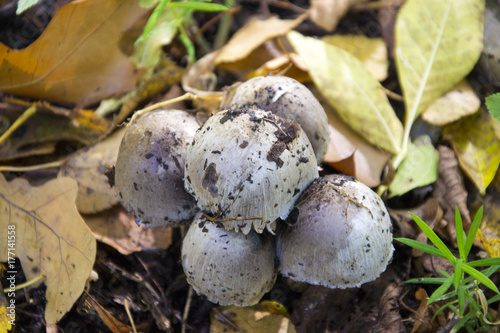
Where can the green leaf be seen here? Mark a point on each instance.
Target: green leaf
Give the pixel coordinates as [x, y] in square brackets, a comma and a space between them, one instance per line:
[480, 277]
[476, 223]
[427, 280]
[201, 6]
[437, 45]
[420, 168]
[153, 19]
[441, 290]
[351, 90]
[493, 104]
[461, 299]
[476, 146]
[422, 247]
[460, 234]
[484, 262]
[434, 238]
[458, 272]
[22, 5]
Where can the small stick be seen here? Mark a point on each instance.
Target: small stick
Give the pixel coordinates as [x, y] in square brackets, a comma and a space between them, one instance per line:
[127, 309]
[49, 165]
[19, 121]
[26, 284]
[187, 306]
[393, 95]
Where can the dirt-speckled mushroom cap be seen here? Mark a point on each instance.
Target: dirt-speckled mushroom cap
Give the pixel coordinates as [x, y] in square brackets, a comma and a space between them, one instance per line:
[228, 267]
[149, 169]
[289, 99]
[247, 168]
[340, 235]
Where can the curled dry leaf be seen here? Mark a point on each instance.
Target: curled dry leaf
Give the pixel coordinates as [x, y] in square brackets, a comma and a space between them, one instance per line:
[249, 320]
[51, 239]
[476, 146]
[119, 230]
[88, 169]
[82, 65]
[353, 155]
[327, 13]
[459, 102]
[370, 51]
[253, 34]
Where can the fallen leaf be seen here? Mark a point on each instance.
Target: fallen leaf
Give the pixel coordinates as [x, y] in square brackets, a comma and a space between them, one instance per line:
[253, 34]
[420, 168]
[389, 317]
[88, 168]
[370, 51]
[437, 45]
[459, 102]
[289, 63]
[7, 312]
[351, 154]
[236, 319]
[23, 5]
[489, 232]
[348, 86]
[51, 239]
[476, 146]
[77, 58]
[119, 230]
[327, 13]
[493, 104]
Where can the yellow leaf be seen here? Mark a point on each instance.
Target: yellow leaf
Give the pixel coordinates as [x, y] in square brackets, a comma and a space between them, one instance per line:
[88, 169]
[252, 35]
[249, 320]
[371, 51]
[437, 45]
[349, 87]
[77, 58]
[51, 239]
[327, 13]
[476, 146]
[5, 320]
[459, 102]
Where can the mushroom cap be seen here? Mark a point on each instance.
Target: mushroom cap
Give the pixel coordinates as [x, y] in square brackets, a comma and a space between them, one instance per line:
[247, 168]
[149, 170]
[230, 268]
[287, 98]
[341, 237]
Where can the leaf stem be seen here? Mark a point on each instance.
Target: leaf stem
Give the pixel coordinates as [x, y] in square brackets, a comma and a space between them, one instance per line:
[19, 121]
[26, 284]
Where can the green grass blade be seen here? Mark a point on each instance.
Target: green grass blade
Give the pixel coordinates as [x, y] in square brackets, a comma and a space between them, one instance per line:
[458, 272]
[434, 238]
[201, 6]
[480, 277]
[485, 262]
[494, 299]
[460, 233]
[441, 290]
[462, 322]
[461, 299]
[486, 272]
[422, 247]
[448, 305]
[473, 230]
[427, 280]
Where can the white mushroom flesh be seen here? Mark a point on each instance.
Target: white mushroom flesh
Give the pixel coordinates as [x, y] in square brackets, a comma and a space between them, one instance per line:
[341, 237]
[149, 171]
[287, 98]
[247, 168]
[227, 267]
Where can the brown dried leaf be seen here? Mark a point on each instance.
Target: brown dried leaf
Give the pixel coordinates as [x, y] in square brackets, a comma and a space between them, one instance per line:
[327, 13]
[88, 169]
[51, 239]
[77, 58]
[119, 230]
[389, 318]
[459, 102]
[253, 34]
[353, 155]
[236, 319]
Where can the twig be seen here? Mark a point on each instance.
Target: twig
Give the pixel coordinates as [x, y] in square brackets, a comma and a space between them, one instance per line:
[26, 284]
[377, 4]
[127, 309]
[186, 309]
[49, 165]
[19, 121]
[393, 95]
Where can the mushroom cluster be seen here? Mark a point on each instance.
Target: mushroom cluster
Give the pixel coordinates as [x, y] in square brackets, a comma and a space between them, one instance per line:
[249, 176]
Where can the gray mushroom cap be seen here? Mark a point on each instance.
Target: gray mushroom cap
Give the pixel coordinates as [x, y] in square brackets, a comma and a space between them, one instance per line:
[287, 98]
[149, 169]
[230, 268]
[342, 236]
[247, 168]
